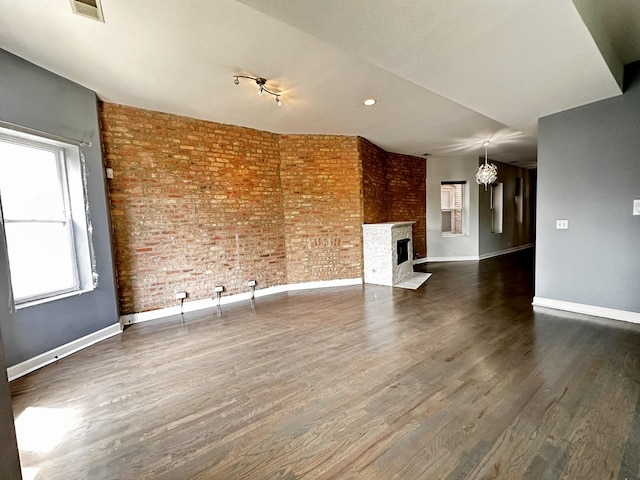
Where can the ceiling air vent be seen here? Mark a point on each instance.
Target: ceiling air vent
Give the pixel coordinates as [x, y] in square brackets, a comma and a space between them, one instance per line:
[88, 8]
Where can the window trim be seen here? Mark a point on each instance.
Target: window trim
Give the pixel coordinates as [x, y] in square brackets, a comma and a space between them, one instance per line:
[75, 218]
[462, 209]
[497, 207]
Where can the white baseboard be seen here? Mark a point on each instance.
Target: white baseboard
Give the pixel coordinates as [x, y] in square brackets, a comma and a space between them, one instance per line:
[345, 282]
[468, 258]
[611, 313]
[195, 305]
[418, 261]
[56, 354]
[484, 256]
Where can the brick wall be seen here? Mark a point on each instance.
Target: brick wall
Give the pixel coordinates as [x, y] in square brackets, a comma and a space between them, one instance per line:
[374, 182]
[406, 183]
[321, 192]
[394, 189]
[194, 204]
[459, 203]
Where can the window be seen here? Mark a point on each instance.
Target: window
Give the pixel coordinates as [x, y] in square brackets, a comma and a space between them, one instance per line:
[42, 198]
[519, 200]
[451, 205]
[497, 207]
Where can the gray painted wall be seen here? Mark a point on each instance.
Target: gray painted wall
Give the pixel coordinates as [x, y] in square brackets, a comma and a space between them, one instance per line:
[589, 174]
[9, 458]
[36, 98]
[440, 169]
[513, 234]
[478, 239]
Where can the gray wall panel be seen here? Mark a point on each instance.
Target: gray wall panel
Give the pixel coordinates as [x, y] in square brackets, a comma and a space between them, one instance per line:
[513, 234]
[589, 174]
[33, 97]
[9, 458]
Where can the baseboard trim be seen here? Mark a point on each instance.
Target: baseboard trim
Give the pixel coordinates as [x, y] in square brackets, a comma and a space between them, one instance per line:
[484, 256]
[62, 351]
[469, 258]
[610, 313]
[196, 305]
[418, 261]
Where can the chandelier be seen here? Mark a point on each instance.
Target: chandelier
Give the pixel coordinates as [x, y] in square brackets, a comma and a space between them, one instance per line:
[487, 173]
[261, 86]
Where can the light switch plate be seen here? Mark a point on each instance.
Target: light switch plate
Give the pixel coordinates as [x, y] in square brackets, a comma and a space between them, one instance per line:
[562, 224]
[636, 207]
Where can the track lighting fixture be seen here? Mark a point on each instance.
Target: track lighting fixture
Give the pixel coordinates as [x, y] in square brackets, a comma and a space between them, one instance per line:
[261, 82]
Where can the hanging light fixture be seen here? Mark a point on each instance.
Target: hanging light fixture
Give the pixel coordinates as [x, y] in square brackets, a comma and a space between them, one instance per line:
[487, 173]
[261, 82]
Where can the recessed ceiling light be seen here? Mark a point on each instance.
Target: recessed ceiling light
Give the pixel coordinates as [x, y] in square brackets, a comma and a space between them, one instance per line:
[370, 101]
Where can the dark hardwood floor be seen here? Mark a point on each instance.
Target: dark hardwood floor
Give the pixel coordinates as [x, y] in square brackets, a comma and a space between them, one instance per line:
[458, 379]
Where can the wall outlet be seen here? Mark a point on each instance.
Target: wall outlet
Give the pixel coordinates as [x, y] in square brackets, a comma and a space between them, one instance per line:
[219, 289]
[636, 207]
[562, 224]
[181, 295]
[251, 283]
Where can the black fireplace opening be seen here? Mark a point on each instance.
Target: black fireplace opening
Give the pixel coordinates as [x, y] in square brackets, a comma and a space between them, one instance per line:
[403, 250]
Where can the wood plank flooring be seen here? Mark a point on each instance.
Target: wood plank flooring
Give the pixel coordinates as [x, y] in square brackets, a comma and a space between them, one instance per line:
[458, 379]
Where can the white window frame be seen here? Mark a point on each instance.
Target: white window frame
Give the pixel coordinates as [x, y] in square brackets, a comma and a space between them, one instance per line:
[519, 199]
[452, 211]
[71, 182]
[497, 207]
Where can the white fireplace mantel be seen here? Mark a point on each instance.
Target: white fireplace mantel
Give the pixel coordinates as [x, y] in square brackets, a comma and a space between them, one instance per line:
[380, 247]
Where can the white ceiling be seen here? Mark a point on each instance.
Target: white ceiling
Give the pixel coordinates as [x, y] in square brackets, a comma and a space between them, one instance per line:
[446, 74]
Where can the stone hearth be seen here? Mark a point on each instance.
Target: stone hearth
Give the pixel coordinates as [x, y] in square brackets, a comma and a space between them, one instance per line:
[382, 242]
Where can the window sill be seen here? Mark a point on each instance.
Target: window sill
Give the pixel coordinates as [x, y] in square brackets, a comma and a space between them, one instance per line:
[449, 235]
[61, 296]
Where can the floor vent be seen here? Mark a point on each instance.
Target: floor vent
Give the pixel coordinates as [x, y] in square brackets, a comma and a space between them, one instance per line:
[88, 8]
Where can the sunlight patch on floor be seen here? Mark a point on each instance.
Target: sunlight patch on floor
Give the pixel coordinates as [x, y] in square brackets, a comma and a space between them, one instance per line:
[40, 429]
[30, 473]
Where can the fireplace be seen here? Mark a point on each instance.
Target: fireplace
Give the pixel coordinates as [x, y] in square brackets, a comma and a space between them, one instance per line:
[388, 252]
[403, 250]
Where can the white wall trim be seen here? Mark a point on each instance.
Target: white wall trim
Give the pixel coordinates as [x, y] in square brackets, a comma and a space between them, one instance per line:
[62, 351]
[454, 259]
[195, 305]
[418, 261]
[611, 313]
[484, 256]
[345, 282]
